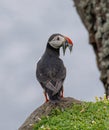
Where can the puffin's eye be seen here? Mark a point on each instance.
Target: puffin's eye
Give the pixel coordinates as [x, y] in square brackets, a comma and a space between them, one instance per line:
[58, 38]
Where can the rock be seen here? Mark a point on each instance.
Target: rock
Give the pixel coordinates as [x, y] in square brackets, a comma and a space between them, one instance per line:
[95, 16]
[45, 110]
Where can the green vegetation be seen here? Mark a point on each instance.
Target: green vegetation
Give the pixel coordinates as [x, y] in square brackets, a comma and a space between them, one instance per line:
[88, 116]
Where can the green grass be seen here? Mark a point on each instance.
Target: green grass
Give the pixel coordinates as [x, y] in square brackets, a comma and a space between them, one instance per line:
[88, 116]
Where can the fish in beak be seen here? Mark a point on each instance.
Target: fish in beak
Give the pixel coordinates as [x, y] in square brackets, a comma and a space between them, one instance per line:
[68, 43]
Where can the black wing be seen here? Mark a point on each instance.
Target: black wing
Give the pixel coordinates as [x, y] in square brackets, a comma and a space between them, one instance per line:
[51, 74]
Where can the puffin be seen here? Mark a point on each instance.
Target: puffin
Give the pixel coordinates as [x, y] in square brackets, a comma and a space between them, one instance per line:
[50, 70]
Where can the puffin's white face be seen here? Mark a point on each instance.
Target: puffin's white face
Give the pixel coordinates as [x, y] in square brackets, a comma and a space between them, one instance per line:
[57, 41]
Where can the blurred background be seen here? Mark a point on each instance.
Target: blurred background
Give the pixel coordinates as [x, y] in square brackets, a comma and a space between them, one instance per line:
[25, 26]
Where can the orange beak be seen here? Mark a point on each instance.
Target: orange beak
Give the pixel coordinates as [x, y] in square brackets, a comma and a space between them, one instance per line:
[69, 40]
[68, 43]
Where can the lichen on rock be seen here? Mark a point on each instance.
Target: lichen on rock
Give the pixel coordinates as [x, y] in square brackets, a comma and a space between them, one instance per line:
[95, 16]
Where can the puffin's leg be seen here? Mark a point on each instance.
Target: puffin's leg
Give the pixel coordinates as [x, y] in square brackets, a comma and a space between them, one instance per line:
[46, 98]
[62, 93]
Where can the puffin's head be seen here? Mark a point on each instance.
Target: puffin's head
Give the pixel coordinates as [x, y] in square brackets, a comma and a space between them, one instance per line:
[58, 40]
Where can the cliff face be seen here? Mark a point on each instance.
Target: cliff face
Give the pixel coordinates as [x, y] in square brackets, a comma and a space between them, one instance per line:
[45, 110]
[95, 16]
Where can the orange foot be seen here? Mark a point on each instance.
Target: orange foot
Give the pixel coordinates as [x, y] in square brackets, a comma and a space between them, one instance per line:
[46, 98]
[62, 93]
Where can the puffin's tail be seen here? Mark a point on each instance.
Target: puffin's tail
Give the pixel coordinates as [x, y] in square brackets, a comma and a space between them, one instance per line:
[54, 98]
